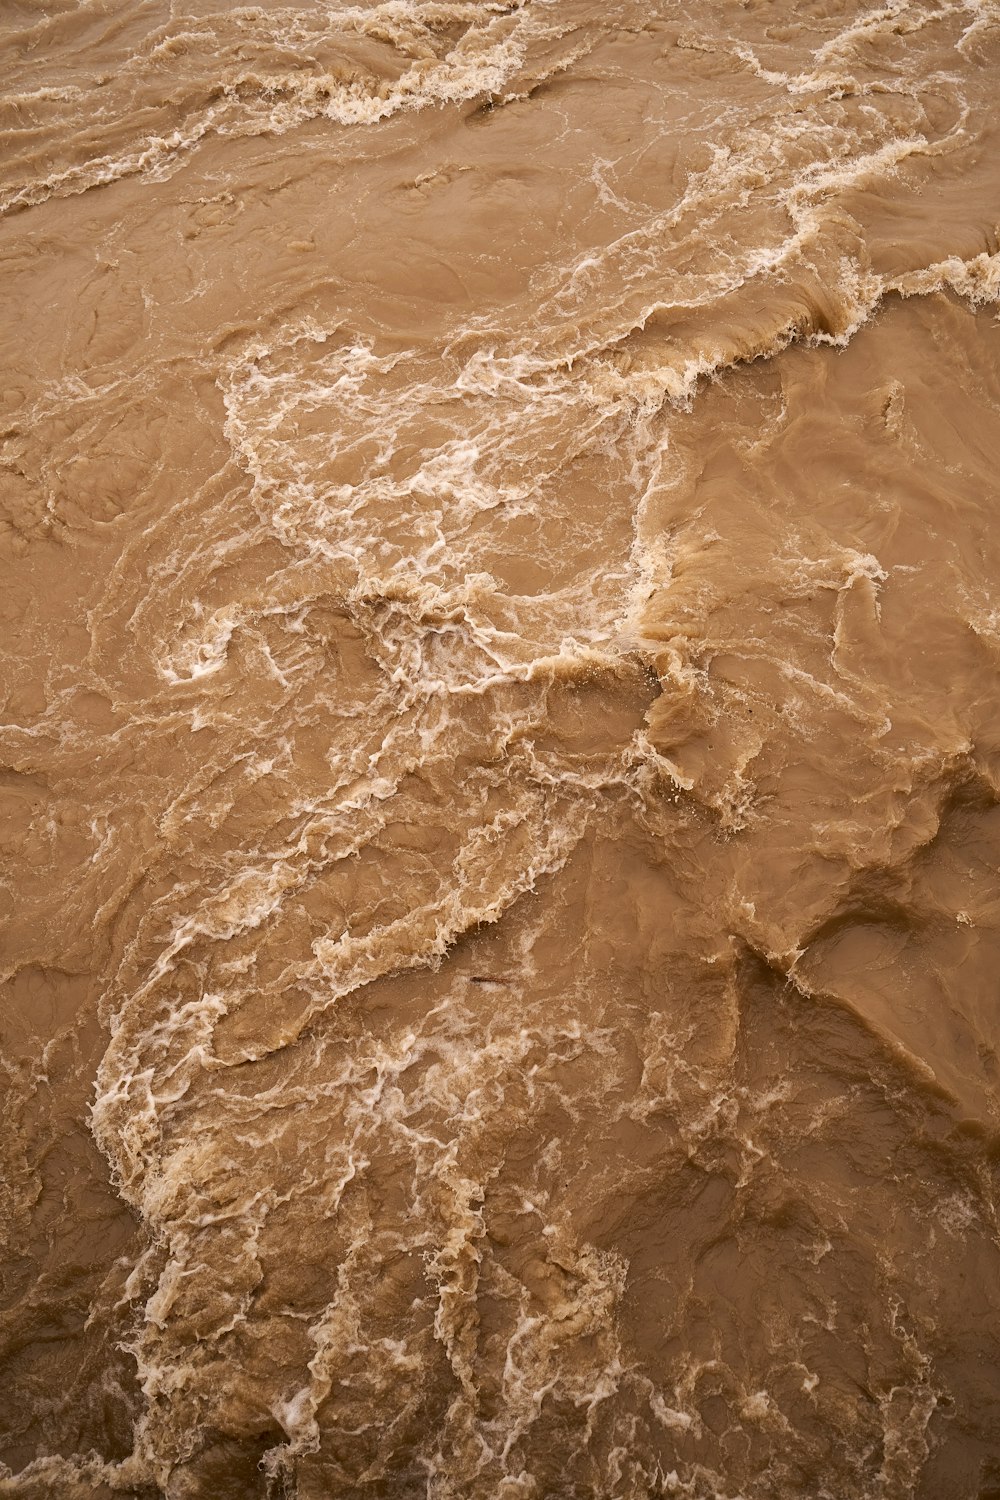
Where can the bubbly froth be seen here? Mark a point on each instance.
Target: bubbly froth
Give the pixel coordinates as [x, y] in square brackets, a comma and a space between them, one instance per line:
[500, 765]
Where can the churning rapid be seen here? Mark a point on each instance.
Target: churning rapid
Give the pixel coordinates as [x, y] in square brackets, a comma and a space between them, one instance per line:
[500, 777]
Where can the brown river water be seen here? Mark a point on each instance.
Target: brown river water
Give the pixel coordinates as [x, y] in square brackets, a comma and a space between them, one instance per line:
[500, 750]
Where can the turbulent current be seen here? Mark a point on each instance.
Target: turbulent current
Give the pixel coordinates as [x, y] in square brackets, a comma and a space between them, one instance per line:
[500, 750]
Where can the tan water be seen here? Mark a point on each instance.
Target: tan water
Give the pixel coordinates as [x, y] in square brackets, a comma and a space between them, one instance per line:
[500, 740]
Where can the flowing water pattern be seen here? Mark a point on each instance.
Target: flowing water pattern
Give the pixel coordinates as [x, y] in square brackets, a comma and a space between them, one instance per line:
[500, 734]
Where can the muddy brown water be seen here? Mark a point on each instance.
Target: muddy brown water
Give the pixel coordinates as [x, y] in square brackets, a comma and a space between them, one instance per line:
[500, 750]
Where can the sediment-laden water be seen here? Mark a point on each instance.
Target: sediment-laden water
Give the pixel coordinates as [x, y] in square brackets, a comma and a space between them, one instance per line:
[500, 750]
